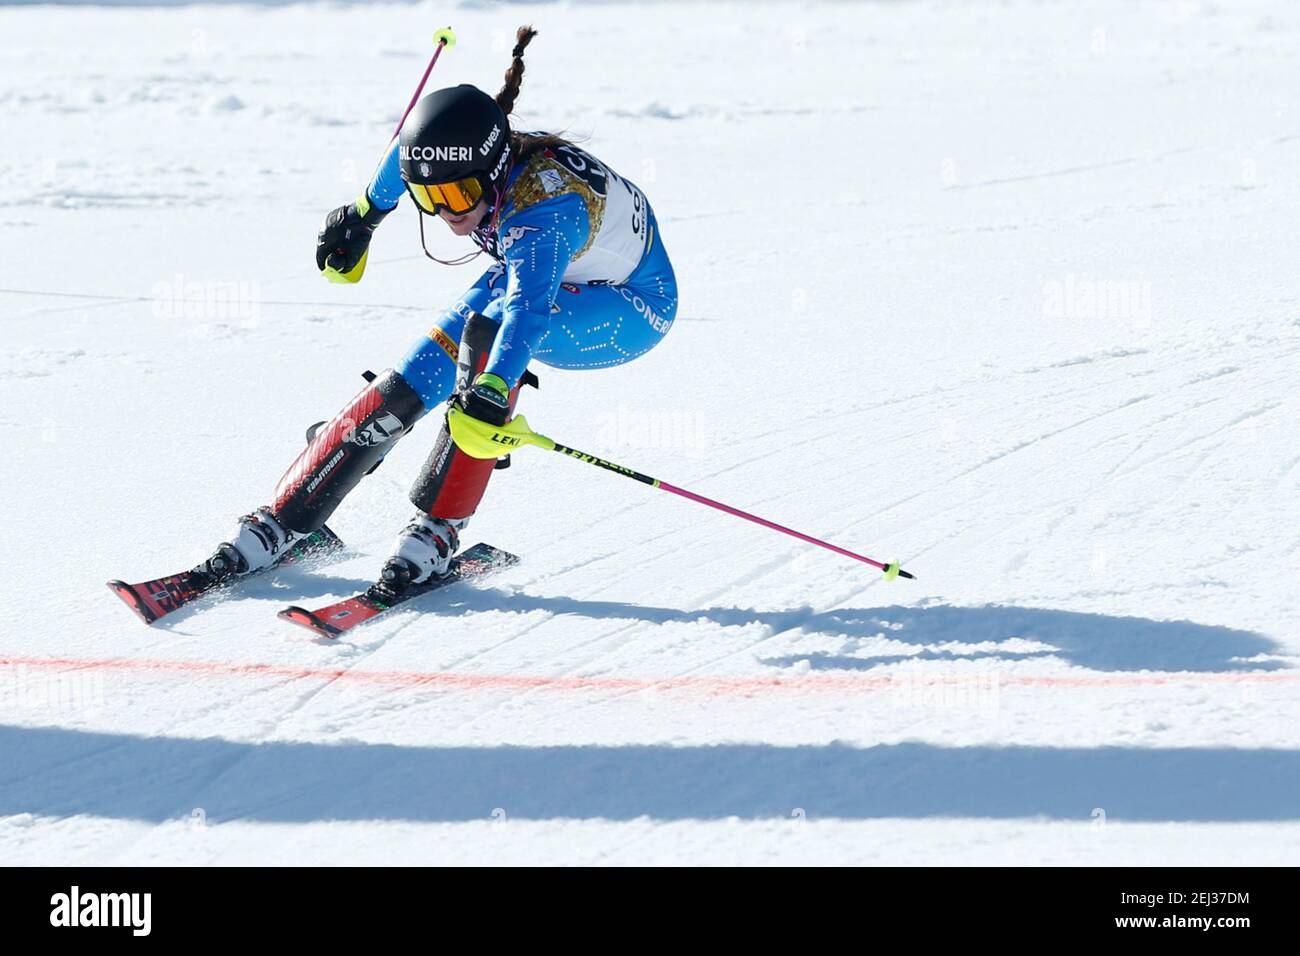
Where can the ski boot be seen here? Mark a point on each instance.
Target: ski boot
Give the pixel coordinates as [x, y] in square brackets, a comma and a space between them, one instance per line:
[259, 542]
[424, 551]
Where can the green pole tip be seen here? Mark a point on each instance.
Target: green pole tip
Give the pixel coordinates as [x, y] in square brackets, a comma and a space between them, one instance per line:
[892, 570]
[445, 36]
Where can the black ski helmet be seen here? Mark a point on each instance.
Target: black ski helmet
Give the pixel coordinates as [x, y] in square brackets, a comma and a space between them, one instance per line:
[453, 134]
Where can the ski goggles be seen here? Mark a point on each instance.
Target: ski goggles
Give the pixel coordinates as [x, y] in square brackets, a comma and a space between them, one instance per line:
[456, 197]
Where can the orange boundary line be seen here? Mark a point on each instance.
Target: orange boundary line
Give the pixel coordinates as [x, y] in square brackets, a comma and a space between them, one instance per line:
[715, 684]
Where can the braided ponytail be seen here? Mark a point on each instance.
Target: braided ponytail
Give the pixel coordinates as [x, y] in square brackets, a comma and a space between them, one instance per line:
[515, 74]
[523, 145]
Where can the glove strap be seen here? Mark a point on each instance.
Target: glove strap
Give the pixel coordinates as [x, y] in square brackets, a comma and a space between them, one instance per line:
[370, 214]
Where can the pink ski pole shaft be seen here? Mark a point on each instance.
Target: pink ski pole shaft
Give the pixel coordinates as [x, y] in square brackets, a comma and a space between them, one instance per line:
[442, 38]
[892, 570]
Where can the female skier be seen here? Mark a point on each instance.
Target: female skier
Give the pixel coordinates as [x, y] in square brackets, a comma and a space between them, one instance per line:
[580, 280]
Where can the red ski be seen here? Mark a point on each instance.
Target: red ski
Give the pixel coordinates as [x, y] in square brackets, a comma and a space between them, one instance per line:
[335, 619]
[151, 600]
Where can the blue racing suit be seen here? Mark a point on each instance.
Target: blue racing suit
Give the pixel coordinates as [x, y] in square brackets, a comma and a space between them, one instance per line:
[581, 277]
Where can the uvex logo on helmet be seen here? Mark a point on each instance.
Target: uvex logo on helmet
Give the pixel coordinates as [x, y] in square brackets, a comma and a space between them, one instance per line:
[501, 162]
[488, 143]
[444, 154]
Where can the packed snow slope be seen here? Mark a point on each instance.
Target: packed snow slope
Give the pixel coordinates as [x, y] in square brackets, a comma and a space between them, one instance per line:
[1005, 290]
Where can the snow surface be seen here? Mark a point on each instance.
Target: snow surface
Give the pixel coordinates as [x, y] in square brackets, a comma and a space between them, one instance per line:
[1005, 290]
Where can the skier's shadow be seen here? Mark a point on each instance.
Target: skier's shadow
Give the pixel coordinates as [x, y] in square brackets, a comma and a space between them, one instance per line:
[872, 637]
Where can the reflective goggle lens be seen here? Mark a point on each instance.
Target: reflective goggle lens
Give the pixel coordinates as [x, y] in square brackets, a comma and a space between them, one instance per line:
[458, 197]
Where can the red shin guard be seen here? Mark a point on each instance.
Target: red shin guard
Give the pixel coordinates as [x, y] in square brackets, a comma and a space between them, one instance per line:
[343, 451]
[452, 483]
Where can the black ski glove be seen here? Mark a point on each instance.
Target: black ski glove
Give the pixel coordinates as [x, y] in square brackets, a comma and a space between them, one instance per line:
[343, 243]
[488, 399]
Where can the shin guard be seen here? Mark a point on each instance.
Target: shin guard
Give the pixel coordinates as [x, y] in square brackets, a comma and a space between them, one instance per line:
[343, 450]
[451, 485]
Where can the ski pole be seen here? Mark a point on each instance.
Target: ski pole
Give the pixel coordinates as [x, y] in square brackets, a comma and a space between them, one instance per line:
[480, 440]
[441, 38]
